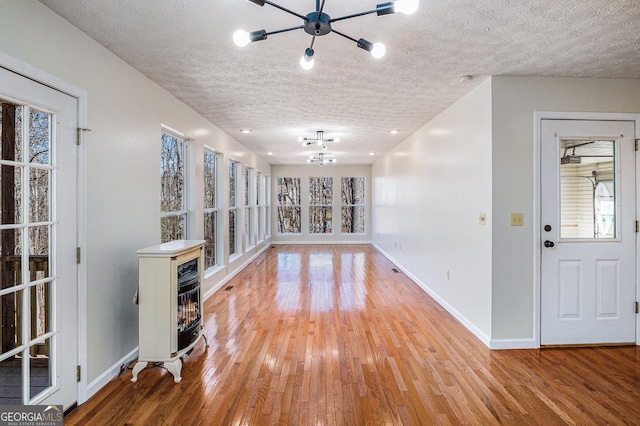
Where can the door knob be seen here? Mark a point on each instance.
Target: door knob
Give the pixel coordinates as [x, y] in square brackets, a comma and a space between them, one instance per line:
[548, 244]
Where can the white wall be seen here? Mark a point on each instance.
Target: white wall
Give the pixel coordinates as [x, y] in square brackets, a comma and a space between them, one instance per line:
[125, 112]
[428, 195]
[515, 99]
[313, 170]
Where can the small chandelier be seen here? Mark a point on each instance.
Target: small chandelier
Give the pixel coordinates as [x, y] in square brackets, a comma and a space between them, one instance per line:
[320, 159]
[319, 140]
[318, 23]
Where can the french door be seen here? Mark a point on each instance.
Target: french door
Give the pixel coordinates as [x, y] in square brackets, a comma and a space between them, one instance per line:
[588, 244]
[38, 288]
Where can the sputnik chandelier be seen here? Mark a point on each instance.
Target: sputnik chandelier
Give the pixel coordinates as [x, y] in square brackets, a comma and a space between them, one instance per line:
[319, 140]
[318, 23]
[320, 159]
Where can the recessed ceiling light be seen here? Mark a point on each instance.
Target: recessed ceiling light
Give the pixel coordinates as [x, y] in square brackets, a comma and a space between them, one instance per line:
[245, 131]
[269, 153]
[394, 131]
[372, 153]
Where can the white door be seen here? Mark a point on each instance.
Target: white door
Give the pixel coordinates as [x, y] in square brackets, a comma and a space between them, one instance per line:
[588, 237]
[38, 289]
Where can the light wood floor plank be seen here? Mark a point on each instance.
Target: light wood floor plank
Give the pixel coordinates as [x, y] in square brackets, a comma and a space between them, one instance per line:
[331, 335]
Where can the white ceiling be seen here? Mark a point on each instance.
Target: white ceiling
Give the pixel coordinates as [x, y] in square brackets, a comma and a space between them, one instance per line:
[186, 47]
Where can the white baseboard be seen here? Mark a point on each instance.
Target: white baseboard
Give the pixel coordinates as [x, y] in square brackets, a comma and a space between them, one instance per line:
[513, 344]
[468, 324]
[111, 373]
[328, 242]
[235, 272]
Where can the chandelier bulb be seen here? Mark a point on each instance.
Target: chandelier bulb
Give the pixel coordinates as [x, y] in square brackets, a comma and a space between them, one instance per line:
[306, 62]
[405, 6]
[378, 50]
[241, 38]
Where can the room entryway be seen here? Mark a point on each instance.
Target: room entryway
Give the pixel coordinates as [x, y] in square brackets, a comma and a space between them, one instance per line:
[588, 236]
[38, 239]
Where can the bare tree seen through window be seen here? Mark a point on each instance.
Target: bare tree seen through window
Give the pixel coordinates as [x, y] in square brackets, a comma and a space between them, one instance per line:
[289, 205]
[172, 188]
[320, 205]
[210, 211]
[353, 205]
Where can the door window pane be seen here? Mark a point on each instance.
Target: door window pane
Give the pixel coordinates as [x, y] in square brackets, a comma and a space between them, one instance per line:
[11, 321]
[40, 309]
[10, 195]
[11, 379]
[39, 131]
[10, 258]
[39, 367]
[38, 252]
[11, 122]
[39, 195]
[587, 189]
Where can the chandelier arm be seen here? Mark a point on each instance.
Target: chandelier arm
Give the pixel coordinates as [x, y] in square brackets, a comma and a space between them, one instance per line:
[344, 35]
[277, 6]
[321, 7]
[285, 30]
[355, 15]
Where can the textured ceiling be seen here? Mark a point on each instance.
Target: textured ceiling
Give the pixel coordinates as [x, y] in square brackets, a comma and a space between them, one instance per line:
[186, 47]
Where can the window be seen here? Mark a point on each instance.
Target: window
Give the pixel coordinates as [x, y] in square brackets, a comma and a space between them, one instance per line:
[248, 210]
[289, 210]
[353, 204]
[173, 188]
[210, 210]
[267, 206]
[260, 204]
[320, 205]
[233, 208]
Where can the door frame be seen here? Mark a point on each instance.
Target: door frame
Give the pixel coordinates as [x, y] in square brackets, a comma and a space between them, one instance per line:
[18, 67]
[538, 116]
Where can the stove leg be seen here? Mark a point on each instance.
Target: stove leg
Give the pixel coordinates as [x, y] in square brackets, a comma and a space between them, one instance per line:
[206, 337]
[174, 367]
[140, 365]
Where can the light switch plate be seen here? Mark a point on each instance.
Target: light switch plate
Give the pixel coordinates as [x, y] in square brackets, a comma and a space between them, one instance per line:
[517, 219]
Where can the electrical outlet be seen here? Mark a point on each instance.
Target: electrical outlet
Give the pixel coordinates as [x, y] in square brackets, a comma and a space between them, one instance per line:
[448, 275]
[517, 219]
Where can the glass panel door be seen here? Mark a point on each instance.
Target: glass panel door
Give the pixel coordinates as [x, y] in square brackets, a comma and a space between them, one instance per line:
[25, 253]
[38, 237]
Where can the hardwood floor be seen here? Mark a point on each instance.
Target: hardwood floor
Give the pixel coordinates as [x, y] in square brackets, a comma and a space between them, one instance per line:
[331, 335]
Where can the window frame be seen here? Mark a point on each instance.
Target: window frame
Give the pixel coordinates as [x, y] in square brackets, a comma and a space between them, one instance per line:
[184, 211]
[297, 206]
[364, 206]
[312, 207]
[233, 208]
[212, 210]
[259, 197]
[267, 205]
[249, 195]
